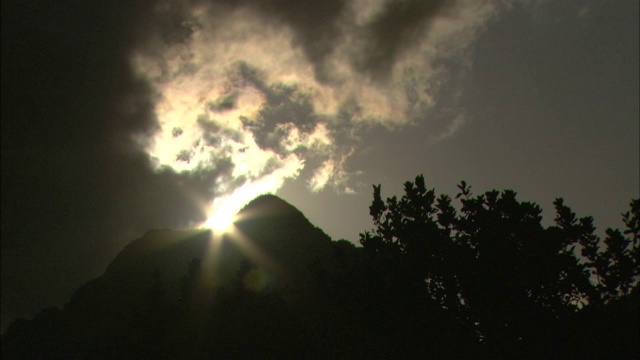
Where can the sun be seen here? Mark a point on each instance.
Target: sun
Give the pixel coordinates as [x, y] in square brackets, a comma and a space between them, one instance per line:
[224, 210]
[224, 215]
[221, 222]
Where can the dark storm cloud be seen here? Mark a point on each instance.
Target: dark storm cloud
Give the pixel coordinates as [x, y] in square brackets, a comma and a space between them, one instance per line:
[320, 25]
[315, 23]
[397, 27]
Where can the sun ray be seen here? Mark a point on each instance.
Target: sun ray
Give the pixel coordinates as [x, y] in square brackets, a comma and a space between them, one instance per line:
[224, 209]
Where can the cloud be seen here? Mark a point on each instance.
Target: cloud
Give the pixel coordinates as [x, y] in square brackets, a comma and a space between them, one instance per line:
[396, 28]
[286, 87]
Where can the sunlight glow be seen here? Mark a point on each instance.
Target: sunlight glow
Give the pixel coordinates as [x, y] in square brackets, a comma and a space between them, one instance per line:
[224, 209]
[221, 220]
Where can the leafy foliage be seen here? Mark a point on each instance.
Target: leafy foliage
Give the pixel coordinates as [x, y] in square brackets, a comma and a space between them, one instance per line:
[490, 261]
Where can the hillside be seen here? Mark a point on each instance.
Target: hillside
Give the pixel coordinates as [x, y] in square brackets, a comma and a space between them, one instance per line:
[111, 313]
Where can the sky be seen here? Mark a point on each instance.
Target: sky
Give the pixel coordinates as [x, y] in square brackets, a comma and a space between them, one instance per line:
[119, 117]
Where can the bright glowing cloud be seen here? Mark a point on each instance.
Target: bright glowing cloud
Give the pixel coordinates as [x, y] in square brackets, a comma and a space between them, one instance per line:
[270, 94]
[225, 207]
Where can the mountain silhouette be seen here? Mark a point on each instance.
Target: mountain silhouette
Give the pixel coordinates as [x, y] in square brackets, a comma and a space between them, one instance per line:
[272, 248]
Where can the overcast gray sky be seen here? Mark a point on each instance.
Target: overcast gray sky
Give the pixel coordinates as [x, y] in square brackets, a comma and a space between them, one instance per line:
[117, 119]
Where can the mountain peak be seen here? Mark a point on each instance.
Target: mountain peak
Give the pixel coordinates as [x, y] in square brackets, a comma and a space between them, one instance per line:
[171, 277]
[268, 204]
[282, 231]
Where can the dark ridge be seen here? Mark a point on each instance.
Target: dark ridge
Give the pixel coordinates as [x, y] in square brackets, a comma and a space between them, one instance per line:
[183, 273]
[269, 205]
[282, 230]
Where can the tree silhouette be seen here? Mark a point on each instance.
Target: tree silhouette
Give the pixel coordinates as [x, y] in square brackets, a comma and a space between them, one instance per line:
[492, 264]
